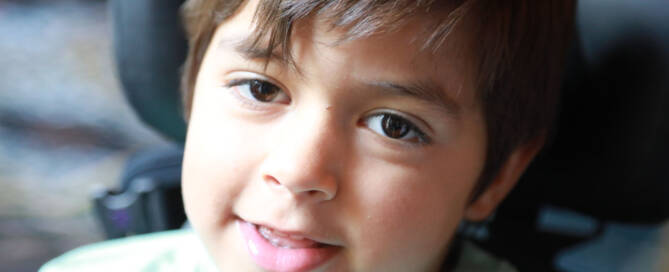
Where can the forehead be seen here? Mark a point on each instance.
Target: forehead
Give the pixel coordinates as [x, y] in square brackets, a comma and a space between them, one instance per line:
[399, 53]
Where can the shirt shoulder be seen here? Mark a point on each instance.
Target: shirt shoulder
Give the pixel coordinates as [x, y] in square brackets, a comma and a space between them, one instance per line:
[178, 250]
[473, 258]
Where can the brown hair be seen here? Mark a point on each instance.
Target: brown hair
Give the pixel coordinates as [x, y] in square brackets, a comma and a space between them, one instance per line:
[523, 45]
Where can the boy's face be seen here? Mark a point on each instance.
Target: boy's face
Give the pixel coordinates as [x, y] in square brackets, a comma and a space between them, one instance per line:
[370, 151]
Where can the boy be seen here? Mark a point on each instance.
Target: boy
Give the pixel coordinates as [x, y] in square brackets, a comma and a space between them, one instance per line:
[351, 135]
[356, 135]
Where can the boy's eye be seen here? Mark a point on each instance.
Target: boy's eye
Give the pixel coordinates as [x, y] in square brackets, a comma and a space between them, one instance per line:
[396, 127]
[260, 90]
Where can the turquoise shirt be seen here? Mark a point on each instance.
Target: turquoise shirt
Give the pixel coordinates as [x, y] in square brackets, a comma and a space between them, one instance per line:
[177, 250]
[182, 251]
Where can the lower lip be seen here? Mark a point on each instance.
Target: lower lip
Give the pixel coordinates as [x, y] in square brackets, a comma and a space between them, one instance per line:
[281, 259]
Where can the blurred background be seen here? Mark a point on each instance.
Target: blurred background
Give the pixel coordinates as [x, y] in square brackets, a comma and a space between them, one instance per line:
[597, 200]
[65, 127]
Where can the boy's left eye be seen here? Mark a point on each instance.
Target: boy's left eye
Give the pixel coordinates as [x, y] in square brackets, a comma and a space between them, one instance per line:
[260, 91]
[396, 127]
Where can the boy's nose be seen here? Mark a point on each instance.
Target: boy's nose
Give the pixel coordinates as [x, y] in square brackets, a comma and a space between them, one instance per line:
[304, 158]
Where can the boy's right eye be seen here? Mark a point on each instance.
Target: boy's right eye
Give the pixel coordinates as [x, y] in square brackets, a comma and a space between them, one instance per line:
[260, 91]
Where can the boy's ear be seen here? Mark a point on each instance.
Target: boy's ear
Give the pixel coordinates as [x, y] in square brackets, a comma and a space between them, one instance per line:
[505, 180]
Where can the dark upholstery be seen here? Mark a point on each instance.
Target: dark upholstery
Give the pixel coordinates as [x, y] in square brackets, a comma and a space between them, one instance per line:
[150, 48]
[608, 158]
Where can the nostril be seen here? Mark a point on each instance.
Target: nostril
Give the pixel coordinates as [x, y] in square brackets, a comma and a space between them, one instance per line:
[318, 194]
[310, 188]
[271, 180]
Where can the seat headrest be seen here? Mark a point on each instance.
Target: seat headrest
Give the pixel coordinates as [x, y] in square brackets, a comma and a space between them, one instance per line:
[609, 156]
[150, 48]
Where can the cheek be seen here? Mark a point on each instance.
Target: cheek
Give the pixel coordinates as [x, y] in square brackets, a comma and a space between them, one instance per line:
[217, 162]
[410, 213]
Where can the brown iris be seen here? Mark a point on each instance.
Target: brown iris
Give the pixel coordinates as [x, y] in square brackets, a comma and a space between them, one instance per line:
[394, 126]
[263, 91]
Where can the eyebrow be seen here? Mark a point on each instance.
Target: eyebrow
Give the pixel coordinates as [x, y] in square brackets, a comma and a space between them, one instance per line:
[255, 53]
[244, 48]
[425, 90]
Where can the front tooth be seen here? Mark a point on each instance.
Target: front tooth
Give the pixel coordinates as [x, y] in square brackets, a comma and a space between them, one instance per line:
[279, 239]
[296, 237]
[275, 242]
[265, 232]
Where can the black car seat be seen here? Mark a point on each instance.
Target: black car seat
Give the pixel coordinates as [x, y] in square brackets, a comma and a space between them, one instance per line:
[606, 169]
[605, 165]
[150, 48]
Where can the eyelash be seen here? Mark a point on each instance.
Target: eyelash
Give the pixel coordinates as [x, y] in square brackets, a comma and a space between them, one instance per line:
[249, 96]
[417, 135]
[420, 137]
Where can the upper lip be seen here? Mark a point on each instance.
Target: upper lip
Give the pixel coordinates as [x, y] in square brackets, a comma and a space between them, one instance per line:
[305, 234]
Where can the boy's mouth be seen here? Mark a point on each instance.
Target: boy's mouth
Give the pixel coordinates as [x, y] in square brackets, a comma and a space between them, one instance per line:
[284, 240]
[281, 251]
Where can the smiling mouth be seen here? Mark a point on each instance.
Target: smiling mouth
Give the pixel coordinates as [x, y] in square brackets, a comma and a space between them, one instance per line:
[279, 251]
[284, 240]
